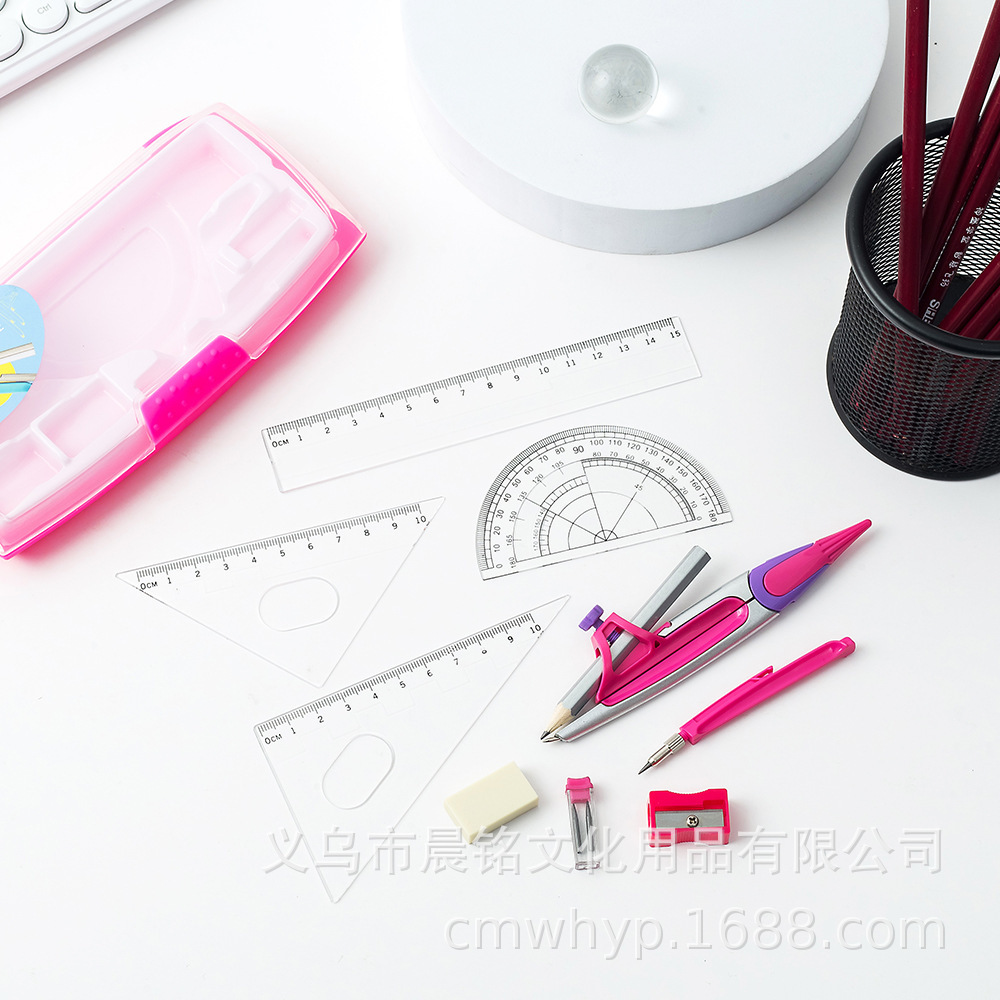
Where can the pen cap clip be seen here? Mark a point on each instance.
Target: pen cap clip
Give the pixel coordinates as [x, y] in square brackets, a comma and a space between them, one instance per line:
[763, 685]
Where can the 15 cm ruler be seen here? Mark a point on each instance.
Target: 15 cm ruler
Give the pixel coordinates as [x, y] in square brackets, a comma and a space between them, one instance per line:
[469, 406]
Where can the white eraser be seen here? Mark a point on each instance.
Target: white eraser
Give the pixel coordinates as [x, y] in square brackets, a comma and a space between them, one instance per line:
[491, 801]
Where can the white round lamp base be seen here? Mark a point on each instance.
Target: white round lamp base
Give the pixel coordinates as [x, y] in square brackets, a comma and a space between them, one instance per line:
[757, 105]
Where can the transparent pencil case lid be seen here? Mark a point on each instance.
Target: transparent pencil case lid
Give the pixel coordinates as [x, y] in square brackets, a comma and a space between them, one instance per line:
[156, 293]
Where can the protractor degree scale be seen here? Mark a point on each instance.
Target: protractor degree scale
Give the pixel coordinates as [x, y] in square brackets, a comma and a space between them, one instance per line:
[590, 489]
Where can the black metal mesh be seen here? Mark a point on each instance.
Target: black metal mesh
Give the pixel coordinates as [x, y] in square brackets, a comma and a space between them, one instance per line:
[913, 403]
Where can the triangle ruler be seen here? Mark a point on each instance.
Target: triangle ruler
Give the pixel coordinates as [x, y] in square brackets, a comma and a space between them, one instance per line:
[352, 763]
[296, 599]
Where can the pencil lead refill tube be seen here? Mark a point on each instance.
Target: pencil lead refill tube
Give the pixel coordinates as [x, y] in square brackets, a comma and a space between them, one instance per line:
[582, 828]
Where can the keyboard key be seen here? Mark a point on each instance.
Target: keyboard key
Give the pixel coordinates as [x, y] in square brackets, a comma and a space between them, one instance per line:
[11, 39]
[44, 18]
[38, 35]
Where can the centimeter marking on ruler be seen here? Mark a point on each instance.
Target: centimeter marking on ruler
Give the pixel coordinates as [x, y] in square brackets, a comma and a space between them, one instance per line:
[456, 381]
[276, 541]
[394, 673]
[465, 407]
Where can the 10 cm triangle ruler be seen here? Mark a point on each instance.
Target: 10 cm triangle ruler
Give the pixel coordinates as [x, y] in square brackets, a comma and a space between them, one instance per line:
[351, 764]
[296, 599]
[467, 407]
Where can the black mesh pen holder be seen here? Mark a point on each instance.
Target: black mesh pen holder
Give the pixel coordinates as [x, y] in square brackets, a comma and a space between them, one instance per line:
[921, 399]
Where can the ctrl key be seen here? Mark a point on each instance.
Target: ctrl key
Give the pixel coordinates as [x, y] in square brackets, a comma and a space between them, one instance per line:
[44, 18]
[11, 38]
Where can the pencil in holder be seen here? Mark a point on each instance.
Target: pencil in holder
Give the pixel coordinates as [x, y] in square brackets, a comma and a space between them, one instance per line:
[919, 398]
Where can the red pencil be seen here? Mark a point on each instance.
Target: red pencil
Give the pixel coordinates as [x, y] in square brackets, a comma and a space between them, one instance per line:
[941, 208]
[914, 129]
[985, 136]
[983, 323]
[962, 235]
[976, 299]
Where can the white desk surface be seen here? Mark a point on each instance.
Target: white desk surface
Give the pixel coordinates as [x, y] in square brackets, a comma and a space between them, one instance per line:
[138, 814]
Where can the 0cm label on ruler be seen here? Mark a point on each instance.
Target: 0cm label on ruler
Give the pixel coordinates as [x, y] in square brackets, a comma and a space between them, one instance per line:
[471, 405]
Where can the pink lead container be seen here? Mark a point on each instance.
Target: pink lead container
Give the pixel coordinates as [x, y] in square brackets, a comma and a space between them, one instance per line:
[582, 826]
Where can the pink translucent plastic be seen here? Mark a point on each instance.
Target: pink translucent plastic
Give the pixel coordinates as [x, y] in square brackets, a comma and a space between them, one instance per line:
[156, 293]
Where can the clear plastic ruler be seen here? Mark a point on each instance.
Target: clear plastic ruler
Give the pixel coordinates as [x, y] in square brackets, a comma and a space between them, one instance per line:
[296, 599]
[590, 489]
[352, 763]
[470, 406]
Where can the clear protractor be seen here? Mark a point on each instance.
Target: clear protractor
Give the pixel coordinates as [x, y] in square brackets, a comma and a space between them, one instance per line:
[591, 489]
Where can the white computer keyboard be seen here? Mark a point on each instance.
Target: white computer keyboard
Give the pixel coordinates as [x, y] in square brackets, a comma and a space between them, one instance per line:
[37, 35]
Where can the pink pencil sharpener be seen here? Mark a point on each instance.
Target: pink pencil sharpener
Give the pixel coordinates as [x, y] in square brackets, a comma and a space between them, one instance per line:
[700, 817]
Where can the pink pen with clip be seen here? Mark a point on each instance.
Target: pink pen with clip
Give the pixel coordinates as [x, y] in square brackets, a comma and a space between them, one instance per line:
[759, 688]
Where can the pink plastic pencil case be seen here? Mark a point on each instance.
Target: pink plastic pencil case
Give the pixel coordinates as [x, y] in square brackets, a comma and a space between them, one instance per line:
[156, 293]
